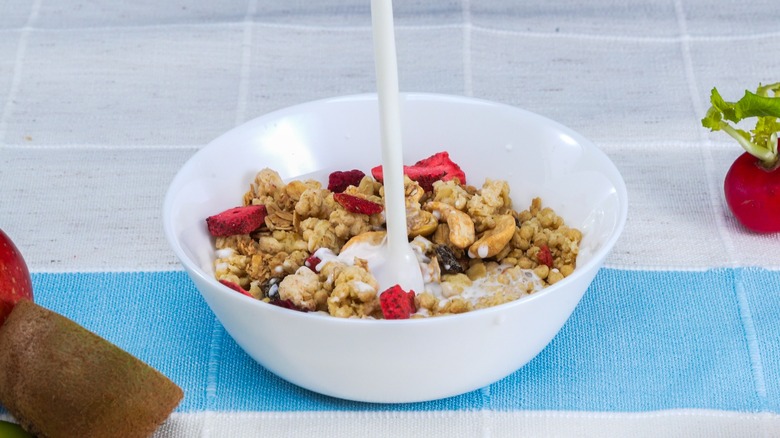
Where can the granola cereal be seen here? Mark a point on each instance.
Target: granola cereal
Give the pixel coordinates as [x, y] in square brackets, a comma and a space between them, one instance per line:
[474, 249]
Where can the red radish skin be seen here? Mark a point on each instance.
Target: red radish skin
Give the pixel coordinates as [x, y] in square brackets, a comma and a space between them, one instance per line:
[15, 282]
[752, 184]
[753, 194]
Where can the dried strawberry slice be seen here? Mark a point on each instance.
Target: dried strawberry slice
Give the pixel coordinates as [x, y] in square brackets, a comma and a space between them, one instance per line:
[339, 180]
[397, 303]
[438, 166]
[238, 220]
[423, 178]
[236, 287]
[355, 204]
[442, 161]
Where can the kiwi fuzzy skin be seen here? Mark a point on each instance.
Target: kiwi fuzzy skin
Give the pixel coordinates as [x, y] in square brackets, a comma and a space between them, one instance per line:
[60, 380]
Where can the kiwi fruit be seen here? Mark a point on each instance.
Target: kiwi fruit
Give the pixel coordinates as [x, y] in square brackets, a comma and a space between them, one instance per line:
[57, 379]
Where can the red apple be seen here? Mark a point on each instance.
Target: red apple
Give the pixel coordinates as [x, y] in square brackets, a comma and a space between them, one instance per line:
[15, 282]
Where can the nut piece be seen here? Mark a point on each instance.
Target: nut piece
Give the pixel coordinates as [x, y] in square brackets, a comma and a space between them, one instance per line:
[495, 239]
[461, 226]
[371, 238]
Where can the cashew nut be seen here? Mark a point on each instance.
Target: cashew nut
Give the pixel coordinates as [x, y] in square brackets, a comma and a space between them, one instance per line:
[495, 239]
[373, 238]
[461, 226]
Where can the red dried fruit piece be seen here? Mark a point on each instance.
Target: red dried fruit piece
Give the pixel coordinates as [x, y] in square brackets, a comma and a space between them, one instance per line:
[237, 220]
[544, 256]
[397, 303]
[236, 287]
[287, 304]
[355, 204]
[339, 180]
[425, 180]
[438, 166]
[442, 161]
[312, 262]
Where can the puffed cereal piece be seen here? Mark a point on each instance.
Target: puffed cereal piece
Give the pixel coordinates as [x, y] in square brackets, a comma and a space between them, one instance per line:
[420, 222]
[413, 192]
[501, 297]
[536, 206]
[548, 218]
[454, 284]
[294, 261]
[288, 197]
[233, 268]
[262, 190]
[255, 290]
[263, 267]
[267, 244]
[566, 270]
[370, 187]
[301, 288]
[491, 200]
[476, 270]
[542, 271]
[452, 193]
[241, 243]
[426, 300]
[318, 234]
[554, 276]
[368, 194]
[355, 294]
[230, 264]
[422, 246]
[455, 305]
[281, 241]
[346, 225]
[314, 203]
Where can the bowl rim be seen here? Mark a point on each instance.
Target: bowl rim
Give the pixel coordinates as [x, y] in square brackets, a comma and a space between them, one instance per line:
[597, 258]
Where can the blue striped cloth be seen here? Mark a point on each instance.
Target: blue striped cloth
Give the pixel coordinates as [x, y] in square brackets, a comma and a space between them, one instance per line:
[638, 341]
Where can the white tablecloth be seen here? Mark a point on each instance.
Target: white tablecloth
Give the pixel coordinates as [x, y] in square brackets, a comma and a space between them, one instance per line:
[102, 101]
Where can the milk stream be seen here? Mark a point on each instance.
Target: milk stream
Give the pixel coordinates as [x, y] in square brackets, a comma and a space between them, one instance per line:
[401, 266]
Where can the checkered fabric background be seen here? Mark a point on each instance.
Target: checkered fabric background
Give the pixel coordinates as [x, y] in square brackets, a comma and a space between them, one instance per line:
[102, 101]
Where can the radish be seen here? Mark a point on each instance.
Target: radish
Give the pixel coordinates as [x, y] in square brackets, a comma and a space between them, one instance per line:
[752, 183]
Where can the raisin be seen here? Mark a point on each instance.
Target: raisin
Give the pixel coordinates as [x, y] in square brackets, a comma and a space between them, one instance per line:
[448, 263]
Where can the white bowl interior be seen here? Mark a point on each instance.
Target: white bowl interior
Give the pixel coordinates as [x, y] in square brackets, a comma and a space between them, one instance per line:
[538, 157]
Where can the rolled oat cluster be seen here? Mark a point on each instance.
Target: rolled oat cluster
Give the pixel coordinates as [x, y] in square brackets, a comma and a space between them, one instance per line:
[474, 249]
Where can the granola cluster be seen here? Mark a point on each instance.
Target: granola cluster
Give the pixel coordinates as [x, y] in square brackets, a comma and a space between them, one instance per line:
[475, 250]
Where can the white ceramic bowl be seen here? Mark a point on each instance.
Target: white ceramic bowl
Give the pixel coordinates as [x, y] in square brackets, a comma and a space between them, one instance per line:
[410, 360]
